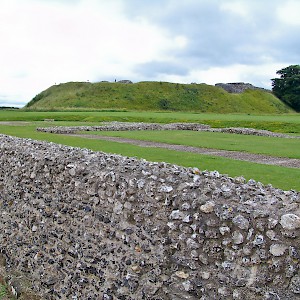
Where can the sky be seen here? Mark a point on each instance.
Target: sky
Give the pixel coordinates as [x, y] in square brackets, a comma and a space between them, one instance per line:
[47, 42]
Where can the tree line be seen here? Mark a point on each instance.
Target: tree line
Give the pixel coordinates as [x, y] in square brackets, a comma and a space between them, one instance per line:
[287, 86]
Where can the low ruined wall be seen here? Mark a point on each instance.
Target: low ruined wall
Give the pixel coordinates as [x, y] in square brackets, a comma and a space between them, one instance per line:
[86, 225]
[239, 87]
[126, 126]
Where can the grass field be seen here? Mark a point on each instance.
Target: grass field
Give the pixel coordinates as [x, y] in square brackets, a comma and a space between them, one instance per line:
[285, 178]
[254, 144]
[4, 294]
[287, 123]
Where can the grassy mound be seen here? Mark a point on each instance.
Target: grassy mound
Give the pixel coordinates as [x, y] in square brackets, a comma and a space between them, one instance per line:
[154, 96]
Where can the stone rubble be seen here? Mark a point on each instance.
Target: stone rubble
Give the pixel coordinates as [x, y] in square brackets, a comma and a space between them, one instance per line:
[89, 225]
[125, 126]
[239, 87]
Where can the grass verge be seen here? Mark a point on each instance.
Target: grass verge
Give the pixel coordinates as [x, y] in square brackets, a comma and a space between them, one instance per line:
[286, 123]
[254, 144]
[3, 291]
[284, 178]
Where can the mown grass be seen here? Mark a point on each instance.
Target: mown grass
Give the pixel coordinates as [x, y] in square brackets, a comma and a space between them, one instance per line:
[254, 144]
[284, 178]
[153, 96]
[4, 293]
[286, 123]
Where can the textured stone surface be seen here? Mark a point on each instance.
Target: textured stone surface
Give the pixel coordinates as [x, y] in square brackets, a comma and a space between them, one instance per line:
[126, 81]
[277, 249]
[122, 126]
[239, 87]
[86, 225]
[290, 221]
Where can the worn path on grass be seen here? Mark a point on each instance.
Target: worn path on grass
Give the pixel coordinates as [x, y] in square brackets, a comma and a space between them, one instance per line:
[245, 156]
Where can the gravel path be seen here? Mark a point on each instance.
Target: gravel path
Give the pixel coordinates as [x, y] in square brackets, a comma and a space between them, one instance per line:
[257, 158]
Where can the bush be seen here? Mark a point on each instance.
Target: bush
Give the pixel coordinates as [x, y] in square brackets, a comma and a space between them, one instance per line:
[164, 104]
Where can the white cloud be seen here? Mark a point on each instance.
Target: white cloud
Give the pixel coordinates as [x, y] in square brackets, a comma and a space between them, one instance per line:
[181, 41]
[44, 42]
[56, 43]
[236, 7]
[288, 12]
[260, 76]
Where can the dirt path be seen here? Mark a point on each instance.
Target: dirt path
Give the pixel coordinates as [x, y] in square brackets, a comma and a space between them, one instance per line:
[14, 123]
[257, 158]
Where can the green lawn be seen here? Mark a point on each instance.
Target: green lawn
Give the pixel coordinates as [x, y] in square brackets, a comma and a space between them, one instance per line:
[287, 123]
[284, 178]
[225, 141]
[3, 292]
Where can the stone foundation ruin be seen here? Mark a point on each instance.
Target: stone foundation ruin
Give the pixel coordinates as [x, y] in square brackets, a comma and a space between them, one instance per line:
[239, 87]
[90, 225]
[126, 126]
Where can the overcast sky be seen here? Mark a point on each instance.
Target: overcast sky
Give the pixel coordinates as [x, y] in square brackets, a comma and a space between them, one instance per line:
[46, 42]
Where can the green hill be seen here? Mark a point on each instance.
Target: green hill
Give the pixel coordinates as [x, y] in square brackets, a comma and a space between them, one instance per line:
[154, 96]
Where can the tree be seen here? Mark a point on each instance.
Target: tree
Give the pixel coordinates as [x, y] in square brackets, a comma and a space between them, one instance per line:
[287, 87]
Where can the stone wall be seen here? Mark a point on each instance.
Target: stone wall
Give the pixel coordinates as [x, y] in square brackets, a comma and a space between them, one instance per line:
[126, 126]
[239, 87]
[86, 225]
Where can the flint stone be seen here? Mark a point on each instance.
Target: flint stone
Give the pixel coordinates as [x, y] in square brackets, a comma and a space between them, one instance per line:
[192, 244]
[259, 240]
[166, 189]
[72, 172]
[295, 284]
[223, 291]
[224, 229]
[290, 221]
[187, 285]
[118, 207]
[271, 296]
[205, 275]
[277, 249]
[271, 235]
[177, 215]
[237, 237]
[241, 222]
[187, 219]
[208, 207]
[182, 274]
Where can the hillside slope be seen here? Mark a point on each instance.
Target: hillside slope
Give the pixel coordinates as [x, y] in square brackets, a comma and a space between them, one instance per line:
[155, 96]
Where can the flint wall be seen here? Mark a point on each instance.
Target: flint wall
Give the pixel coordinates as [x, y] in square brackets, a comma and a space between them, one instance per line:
[239, 87]
[86, 225]
[126, 126]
